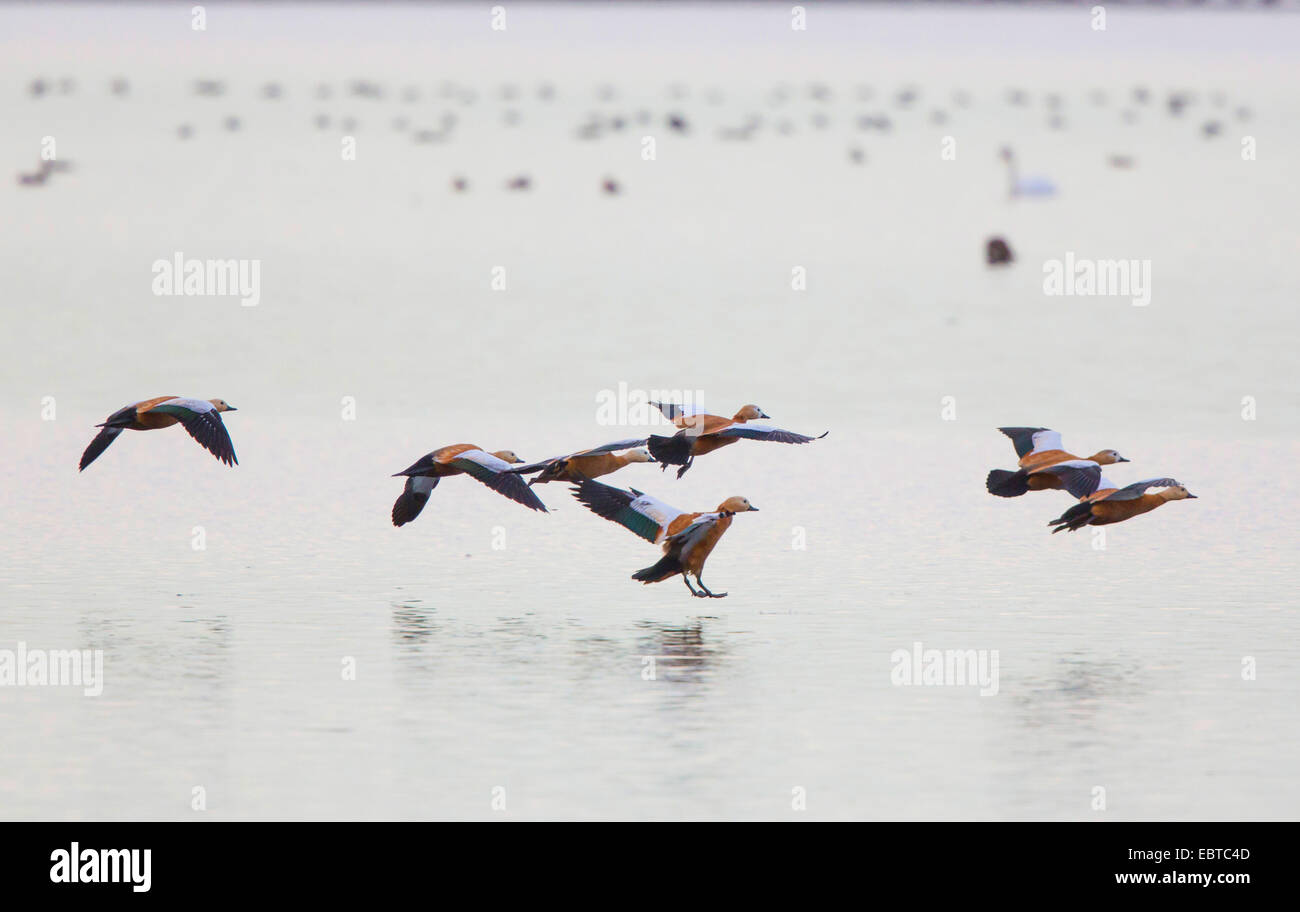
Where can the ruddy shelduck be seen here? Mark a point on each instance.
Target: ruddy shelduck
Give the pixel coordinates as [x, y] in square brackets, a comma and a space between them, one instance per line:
[462, 458]
[201, 417]
[1102, 502]
[702, 433]
[1038, 449]
[687, 538]
[584, 464]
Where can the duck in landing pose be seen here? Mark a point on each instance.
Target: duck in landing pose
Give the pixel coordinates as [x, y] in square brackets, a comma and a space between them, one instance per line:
[585, 464]
[1038, 449]
[701, 433]
[463, 458]
[1101, 502]
[687, 538]
[201, 417]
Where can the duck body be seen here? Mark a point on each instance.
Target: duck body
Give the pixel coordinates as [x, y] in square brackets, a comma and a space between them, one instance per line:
[589, 463]
[460, 459]
[687, 539]
[200, 417]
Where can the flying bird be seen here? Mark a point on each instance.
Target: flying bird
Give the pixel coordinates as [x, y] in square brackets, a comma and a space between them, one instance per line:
[462, 458]
[200, 417]
[1038, 449]
[1102, 503]
[687, 538]
[701, 433]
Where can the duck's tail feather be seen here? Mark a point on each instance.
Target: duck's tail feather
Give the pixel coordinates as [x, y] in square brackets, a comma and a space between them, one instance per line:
[667, 566]
[674, 450]
[1007, 484]
[1074, 518]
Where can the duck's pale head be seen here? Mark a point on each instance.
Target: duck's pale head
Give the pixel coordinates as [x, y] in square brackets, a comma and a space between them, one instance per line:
[640, 454]
[1108, 457]
[751, 413]
[1178, 492]
[737, 505]
[508, 456]
[221, 405]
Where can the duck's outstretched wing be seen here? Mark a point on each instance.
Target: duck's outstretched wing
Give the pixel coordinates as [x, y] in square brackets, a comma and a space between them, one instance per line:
[1028, 440]
[639, 513]
[761, 432]
[681, 544]
[98, 445]
[1081, 477]
[495, 473]
[203, 422]
[1138, 488]
[413, 498]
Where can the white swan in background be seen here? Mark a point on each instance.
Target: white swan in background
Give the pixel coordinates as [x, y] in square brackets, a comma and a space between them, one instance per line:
[1024, 186]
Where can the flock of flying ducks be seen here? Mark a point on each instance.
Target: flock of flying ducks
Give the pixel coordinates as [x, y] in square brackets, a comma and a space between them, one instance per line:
[687, 539]
[1045, 465]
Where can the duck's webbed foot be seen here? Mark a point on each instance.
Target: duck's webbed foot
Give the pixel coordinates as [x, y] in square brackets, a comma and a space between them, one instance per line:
[705, 590]
[687, 581]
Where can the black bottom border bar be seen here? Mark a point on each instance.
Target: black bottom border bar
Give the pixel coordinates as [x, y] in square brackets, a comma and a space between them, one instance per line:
[334, 859]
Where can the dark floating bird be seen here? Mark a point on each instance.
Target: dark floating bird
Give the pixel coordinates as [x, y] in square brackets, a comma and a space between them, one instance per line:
[997, 252]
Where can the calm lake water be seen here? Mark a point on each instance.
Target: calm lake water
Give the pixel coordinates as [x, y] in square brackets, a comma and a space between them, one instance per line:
[500, 655]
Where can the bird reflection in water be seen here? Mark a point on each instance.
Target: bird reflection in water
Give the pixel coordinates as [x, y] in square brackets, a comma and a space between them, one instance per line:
[680, 653]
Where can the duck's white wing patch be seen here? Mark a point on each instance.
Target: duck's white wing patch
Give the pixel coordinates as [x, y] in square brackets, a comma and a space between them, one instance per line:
[1138, 488]
[674, 410]
[655, 509]
[485, 460]
[197, 406]
[1046, 440]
